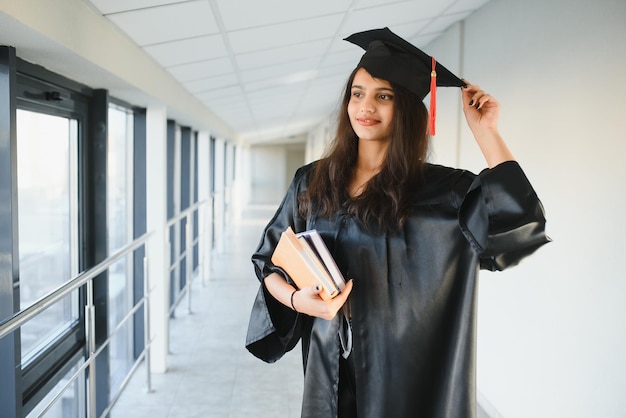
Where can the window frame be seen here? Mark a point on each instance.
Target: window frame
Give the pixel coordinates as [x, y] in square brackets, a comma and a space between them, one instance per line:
[42, 91]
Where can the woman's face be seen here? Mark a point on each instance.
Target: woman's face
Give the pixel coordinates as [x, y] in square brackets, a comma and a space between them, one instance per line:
[370, 108]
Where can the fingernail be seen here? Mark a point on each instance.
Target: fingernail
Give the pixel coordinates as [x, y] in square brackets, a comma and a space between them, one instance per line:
[471, 102]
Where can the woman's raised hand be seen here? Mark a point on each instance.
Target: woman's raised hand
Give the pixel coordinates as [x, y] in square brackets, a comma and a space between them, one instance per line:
[482, 112]
[481, 109]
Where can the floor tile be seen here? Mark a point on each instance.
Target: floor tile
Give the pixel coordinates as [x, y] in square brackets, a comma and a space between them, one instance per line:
[210, 373]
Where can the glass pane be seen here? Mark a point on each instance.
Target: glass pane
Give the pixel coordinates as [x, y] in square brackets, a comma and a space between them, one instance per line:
[119, 178]
[120, 358]
[71, 403]
[47, 201]
[120, 229]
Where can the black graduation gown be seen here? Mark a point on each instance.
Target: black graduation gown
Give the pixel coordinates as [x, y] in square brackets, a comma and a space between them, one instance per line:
[414, 298]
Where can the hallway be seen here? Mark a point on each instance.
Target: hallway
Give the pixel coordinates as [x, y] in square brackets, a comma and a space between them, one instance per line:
[210, 373]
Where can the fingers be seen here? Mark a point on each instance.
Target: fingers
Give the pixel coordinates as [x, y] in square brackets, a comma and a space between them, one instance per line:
[346, 290]
[474, 96]
[310, 303]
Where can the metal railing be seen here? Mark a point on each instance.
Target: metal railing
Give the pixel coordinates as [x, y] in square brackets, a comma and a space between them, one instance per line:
[86, 279]
[190, 243]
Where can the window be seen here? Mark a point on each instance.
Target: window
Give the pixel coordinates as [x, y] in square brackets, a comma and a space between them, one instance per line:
[51, 126]
[72, 402]
[47, 202]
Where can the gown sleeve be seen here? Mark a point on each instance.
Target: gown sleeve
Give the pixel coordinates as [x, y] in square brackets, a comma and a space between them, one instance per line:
[502, 217]
[273, 328]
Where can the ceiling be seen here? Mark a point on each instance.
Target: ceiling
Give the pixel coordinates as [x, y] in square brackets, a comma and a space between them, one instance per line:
[271, 68]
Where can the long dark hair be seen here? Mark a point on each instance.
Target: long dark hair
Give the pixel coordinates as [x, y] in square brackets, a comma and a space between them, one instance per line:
[384, 204]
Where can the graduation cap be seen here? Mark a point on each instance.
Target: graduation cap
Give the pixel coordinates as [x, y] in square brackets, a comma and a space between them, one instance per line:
[391, 58]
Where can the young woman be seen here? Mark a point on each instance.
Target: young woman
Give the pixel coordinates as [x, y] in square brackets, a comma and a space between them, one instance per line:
[410, 235]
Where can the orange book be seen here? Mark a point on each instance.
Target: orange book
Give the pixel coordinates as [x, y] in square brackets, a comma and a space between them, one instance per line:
[298, 262]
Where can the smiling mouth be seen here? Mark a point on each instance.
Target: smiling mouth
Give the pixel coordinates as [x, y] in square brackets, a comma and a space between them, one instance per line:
[367, 121]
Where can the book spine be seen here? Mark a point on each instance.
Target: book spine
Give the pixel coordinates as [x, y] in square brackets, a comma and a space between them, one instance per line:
[318, 267]
[327, 259]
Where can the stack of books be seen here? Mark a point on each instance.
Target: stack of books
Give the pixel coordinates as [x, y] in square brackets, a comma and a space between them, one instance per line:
[307, 261]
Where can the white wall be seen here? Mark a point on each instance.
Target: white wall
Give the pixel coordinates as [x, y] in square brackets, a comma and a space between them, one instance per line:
[272, 169]
[318, 139]
[552, 331]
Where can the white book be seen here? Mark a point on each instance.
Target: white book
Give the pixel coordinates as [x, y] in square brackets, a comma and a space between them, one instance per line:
[316, 241]
[317, 265]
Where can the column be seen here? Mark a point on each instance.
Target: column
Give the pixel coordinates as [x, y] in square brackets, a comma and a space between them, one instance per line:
[156, 219]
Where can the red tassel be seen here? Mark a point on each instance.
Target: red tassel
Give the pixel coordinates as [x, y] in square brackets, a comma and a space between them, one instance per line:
[433, 98]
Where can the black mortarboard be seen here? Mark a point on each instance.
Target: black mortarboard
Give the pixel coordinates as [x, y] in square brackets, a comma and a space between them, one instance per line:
[391, 58]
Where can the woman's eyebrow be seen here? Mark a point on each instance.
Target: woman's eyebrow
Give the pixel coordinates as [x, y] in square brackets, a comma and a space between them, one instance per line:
[356, 86]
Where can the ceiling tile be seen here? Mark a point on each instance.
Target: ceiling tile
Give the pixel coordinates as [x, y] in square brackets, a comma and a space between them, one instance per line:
[337, 72]
[282, 54]
[415, 12]
[465, 5]
[242, 14]
[217, 94]
[201, 69]
[237, 114]
[167, 23]
[207, 84]
[289, 94]
[115, 6]
[188, 51]
[225, 99]
[291, 33]
[440, 24]
[292, 72]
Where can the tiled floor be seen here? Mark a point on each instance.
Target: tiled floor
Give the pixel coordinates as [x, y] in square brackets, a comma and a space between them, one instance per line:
[210, 373]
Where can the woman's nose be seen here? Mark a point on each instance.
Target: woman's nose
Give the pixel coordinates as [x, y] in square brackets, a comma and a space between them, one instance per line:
[368, 105]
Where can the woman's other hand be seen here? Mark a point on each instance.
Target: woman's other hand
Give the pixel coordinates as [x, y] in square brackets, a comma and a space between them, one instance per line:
[308, 301]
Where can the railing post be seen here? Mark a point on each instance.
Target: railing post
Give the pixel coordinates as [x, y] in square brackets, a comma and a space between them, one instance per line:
[189, 258]
[146, 318]
[201, 243]
[90, 324]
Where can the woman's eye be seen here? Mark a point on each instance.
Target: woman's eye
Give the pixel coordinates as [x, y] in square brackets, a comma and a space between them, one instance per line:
[356, 94]
[385, 97]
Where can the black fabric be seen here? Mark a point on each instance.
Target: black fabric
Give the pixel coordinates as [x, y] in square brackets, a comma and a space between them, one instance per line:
[392, 58]
[413, 303]
[346, 396]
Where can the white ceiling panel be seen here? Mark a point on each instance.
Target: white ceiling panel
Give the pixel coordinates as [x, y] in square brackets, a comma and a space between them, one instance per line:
[285, 93]
[207, 84]
[201, 69]
[115, 6]
[287, 73]
[236, 113]
[408, 9]
[407, 12]
[441, 23]
[221, 93]
[258, 59]
[241, 14]
[466, 5]
[188, 51]
[168, 22]
[273, 67]
[283, 34]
